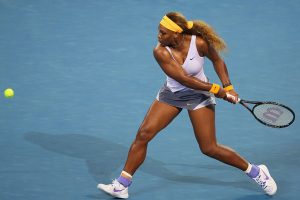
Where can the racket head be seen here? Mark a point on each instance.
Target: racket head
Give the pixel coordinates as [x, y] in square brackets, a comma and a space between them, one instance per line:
[273, 114]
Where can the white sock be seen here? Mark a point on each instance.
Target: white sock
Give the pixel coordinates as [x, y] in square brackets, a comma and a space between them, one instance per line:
[126, 174]
[247, 171]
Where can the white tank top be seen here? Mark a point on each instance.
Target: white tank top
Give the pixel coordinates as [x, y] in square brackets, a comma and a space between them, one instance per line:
[193, 66]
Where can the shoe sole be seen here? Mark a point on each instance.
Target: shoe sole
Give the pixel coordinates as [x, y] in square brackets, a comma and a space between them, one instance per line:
[112, 194]
[266, 170]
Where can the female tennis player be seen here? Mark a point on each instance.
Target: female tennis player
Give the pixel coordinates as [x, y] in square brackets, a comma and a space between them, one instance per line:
[181, 50]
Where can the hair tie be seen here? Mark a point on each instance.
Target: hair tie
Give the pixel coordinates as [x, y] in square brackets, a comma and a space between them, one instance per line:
[190, 24]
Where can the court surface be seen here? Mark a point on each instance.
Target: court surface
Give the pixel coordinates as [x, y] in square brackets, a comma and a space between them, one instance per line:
[84, 76]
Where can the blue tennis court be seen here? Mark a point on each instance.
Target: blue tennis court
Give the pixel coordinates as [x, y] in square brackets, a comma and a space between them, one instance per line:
[84, 76]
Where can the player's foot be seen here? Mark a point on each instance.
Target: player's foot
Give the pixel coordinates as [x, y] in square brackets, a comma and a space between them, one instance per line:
[265, 180]
[115, 189]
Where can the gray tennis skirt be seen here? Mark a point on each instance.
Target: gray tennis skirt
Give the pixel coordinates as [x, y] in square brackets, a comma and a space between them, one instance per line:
[189, 99]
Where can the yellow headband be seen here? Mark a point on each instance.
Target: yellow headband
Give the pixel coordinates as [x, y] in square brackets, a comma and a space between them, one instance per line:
[169, 24]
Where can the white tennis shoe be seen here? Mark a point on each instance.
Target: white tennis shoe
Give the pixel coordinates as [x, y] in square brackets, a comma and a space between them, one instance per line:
[115, 189]
[265, 180]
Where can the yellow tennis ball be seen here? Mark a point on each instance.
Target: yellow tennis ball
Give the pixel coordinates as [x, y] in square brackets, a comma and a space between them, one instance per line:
[9, 93]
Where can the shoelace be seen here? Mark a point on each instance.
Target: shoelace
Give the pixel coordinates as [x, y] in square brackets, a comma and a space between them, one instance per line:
[115, 183]
[261, 182]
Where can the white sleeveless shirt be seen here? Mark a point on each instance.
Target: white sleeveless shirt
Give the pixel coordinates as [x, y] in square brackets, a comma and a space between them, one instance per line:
[193, 66]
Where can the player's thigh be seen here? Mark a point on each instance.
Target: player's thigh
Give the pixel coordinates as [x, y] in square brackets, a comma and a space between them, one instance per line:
[158, 117]
[203, 121]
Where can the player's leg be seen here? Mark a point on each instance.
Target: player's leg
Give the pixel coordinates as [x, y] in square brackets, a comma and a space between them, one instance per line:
[158, 117]
[203, 121]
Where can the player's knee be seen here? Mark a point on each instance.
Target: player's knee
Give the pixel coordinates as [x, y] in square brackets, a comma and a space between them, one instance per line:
[145, 134]
[210, 150]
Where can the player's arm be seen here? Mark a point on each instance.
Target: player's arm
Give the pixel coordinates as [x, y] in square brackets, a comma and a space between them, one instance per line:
[218, 63]
[175, 71]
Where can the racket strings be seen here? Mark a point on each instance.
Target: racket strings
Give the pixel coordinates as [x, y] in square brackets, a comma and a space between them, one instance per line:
[273, 114]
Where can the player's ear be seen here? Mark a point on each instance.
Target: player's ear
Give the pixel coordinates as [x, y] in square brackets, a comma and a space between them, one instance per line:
[176, 35]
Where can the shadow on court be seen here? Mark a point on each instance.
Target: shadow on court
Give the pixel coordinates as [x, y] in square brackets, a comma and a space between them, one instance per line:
[103, 159]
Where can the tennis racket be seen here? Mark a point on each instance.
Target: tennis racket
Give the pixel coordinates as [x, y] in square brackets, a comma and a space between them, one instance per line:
[270, 113]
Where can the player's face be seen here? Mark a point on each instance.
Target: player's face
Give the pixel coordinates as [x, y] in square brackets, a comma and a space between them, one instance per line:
[165, 36]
